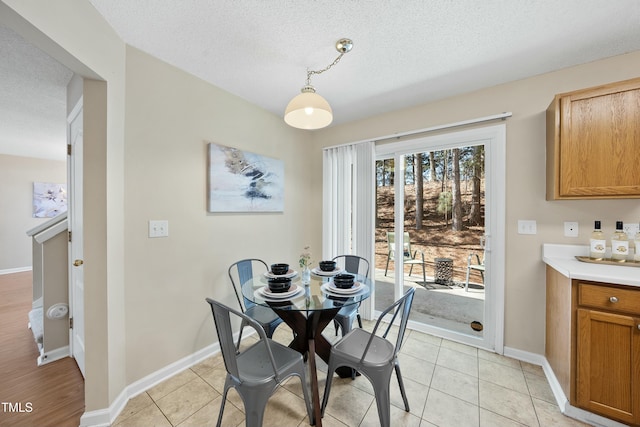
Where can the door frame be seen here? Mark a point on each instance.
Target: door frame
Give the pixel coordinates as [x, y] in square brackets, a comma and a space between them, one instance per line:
[494, 139]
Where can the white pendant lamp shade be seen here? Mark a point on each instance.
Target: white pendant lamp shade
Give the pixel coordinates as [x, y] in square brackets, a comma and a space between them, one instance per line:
[308, 111]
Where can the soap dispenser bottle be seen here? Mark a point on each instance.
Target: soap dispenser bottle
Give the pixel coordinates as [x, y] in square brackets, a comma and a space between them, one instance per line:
[619, 244]
[597, 243]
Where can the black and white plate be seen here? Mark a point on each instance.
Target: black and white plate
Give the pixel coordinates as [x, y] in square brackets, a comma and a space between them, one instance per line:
[332, 288]
[289, 274]
[318, 272]
[265, 292]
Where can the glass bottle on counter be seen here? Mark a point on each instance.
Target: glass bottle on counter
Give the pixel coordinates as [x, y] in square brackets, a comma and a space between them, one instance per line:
[636, 239]
[597, 243]
[619, 244]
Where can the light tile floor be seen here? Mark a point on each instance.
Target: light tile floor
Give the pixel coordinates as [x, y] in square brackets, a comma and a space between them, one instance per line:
[447, 383]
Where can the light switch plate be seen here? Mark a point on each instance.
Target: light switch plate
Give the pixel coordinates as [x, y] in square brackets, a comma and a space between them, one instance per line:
[527, 226]
[158, 228]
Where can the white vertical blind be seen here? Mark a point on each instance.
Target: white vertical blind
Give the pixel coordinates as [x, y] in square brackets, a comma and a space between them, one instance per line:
[349, 203]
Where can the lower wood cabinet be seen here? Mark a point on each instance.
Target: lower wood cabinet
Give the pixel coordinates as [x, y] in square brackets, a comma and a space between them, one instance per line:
[608, 357]
[593, 345]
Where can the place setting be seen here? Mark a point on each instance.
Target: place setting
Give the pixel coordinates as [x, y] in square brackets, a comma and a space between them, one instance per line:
[326, 269]
[343, 285]
[279, 286]
[280, 270]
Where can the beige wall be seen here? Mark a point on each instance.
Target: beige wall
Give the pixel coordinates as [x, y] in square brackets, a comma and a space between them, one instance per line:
[171, 116]
[17, 175]
[525, 199]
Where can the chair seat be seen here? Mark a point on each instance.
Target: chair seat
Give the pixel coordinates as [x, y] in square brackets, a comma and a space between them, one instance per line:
[352, 346]
[261, 314]
[254, 364]
[411, 261]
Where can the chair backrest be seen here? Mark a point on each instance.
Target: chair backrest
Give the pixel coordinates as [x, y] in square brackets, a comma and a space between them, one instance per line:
[401, 307]
[353, 264]
[240, 272]
[391, 242]
[222, 319]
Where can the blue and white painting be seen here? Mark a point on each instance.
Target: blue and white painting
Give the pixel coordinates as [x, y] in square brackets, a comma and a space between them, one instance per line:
[49, 199]
[240, 181]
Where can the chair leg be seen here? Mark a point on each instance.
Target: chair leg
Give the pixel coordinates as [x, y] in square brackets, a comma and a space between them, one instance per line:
[387, 267]
[224, 400]
[383, 401]
[255, 402]
[401, 383]
[466, 283]
[411, 270]
[424, 275]
[327, 386]
[359, 320]
[306, 393]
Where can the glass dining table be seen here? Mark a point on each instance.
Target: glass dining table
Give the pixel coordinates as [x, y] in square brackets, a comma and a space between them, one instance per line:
[307, 308]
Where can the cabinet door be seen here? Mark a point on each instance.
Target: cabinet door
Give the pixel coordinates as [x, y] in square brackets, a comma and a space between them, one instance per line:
[608, 357]
[592, 143]
[599, 143]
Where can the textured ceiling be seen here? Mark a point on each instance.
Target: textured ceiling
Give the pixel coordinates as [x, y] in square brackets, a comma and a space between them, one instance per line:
[406, 52]
[33, 111]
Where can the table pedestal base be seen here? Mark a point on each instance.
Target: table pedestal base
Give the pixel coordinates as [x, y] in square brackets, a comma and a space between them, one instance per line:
[309, 342]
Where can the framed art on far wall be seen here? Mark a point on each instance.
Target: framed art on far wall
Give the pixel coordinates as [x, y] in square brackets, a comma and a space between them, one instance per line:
[49, 199]
[241, 181]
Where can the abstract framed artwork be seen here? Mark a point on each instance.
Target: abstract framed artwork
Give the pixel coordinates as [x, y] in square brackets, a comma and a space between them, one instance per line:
[241, 181]
[49, 200]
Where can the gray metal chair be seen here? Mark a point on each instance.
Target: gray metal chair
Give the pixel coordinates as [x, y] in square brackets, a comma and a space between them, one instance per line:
[355, 265]
[374, 357]
[256, 372]
[239, 273]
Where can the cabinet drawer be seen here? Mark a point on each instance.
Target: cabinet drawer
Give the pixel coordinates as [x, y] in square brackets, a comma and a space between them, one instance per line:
[609, 298]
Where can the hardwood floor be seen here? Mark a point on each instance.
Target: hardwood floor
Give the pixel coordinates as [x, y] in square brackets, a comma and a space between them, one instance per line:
[49, 395]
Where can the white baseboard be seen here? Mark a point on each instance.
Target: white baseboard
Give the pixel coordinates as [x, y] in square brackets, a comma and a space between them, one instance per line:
[572, 411]
[15, 270]
[106, 417]
[525, 356]
[53, 355]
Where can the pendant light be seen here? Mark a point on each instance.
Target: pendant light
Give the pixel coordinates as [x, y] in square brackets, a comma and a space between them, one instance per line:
[310, 110]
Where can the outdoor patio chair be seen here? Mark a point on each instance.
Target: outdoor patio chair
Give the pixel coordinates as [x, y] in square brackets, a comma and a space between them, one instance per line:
[477, 266]
[409, 256]
[355, 265]
[374, 356]
[239, 273]
[256, 372]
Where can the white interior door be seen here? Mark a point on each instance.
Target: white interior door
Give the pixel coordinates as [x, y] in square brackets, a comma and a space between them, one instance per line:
[76, 269]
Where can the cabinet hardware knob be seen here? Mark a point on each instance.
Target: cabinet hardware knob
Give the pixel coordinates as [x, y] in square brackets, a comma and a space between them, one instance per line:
[613, 299]
[638, 325]
[78, 263]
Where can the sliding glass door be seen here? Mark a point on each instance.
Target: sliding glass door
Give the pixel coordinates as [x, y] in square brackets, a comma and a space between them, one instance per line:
[437, 222]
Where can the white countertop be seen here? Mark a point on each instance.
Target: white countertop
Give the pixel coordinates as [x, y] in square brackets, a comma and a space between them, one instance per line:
[562, 258]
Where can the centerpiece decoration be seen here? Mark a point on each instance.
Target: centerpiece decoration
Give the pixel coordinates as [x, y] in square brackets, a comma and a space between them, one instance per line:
[305, 265]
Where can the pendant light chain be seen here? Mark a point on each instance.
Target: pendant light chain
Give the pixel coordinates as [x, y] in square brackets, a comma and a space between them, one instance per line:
[310, 72]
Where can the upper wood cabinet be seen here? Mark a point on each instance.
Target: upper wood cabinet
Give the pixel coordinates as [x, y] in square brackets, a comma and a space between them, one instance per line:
[593, 143]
